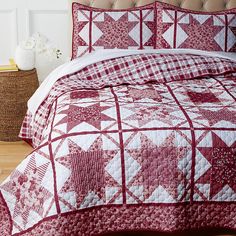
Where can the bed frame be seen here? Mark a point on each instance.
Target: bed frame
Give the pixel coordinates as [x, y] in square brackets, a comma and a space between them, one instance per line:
[197, 5]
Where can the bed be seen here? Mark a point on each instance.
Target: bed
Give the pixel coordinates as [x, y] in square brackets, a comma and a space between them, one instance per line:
[137, 134]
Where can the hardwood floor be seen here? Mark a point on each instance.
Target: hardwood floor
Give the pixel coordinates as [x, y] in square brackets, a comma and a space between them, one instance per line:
[11, 154]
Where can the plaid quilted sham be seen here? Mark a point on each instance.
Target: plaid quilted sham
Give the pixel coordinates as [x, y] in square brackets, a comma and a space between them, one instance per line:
[142, 142]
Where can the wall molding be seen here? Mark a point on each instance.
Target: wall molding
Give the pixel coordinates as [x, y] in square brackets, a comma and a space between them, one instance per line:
[12, 12]
[31, 12]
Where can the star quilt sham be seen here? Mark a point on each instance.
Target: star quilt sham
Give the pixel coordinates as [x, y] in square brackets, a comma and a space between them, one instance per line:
[95, 29]
[182, 28]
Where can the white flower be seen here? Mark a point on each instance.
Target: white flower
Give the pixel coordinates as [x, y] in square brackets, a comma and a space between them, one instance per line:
[52, 53]
[28, 44]
[41, 45]
[40, 38]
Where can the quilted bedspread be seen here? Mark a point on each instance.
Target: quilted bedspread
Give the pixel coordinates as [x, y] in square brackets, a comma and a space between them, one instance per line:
[142, 142]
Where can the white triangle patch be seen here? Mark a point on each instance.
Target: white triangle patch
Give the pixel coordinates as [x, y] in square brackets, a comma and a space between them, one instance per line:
[168, 36]
[226, 136]
[114, 168]
[201, 18]
[201, 166]
[116, 15]
[90, 200]
[226, 194]
[166, 17]
[160, 195]
[132, 167]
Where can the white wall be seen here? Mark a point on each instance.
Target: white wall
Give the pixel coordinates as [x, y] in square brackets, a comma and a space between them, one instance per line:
[21, 18]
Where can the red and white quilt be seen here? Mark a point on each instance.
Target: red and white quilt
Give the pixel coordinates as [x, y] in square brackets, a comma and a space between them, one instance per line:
[135, 143]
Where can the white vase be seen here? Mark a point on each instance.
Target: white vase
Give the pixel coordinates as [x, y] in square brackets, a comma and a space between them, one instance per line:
[25, 58]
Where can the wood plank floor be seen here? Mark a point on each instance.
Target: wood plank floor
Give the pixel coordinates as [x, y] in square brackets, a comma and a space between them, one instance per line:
[11, 154]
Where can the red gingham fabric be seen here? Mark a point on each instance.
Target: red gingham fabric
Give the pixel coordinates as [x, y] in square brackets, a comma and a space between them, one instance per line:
[135, 69]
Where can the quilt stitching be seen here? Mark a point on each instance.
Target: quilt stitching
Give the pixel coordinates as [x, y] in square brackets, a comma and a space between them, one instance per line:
[155, 147]
[167, 67]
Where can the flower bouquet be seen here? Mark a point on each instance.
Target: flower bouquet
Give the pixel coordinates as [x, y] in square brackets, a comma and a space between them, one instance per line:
[36, 44]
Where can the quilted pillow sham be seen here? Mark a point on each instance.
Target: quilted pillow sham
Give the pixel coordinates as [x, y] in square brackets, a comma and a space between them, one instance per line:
[95, 28]
[180, 28]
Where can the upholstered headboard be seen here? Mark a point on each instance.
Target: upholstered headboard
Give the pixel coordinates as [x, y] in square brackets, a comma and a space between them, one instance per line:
[199, 5]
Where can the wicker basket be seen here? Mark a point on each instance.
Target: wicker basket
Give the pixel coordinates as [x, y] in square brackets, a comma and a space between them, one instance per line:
[15, 90]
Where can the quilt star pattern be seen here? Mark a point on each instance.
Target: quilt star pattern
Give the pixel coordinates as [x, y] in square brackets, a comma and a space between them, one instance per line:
[108, 29]
[179, 28]
[153, 149]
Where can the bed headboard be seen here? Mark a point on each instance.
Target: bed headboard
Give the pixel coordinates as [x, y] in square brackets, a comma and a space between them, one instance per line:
[199, 5]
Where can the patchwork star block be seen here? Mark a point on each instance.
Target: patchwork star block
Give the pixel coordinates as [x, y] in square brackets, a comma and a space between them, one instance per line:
[180, 28]
[107, 29]
[221, 173]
